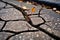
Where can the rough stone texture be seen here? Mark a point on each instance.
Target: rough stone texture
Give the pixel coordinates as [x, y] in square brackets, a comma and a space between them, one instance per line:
[13, 14]
[36, 20]
[1, 24]
[31, 36]
[16, 26]
[2, 4]
[4, 35]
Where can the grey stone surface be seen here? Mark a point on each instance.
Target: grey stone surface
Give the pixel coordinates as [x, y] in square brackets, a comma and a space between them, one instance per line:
[31, 36]
[1, 24]
[2, 4]
[17, 26]
[4, 35]
[36, 20]
[11, 14]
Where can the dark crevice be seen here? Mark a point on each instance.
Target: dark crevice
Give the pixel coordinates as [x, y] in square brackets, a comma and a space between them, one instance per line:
[5, 5]
[17, 20]
[21, 32]
[4, 25]
[8, 31]
[5, 8]
[1, 19]
[12, 20]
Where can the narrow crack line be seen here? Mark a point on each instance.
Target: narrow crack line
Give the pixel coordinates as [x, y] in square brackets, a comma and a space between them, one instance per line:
[44, 21]
[5, 5]
[12, 20]
[36, 14]
[5, 8]
[8, 31]
[9, 37]
[40, 11]
[48, 25]
[17, 20]
[27, 31]
[16, 7]
[3, 26]
[20, 33]
[32, 14]
[48, 33]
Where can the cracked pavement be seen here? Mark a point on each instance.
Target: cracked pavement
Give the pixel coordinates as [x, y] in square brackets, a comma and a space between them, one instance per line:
[10, 13]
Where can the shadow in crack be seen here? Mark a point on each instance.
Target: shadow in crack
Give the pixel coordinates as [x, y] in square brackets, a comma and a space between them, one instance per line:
[4, 25]
[21, 32]
[8, 21]
[5, 8]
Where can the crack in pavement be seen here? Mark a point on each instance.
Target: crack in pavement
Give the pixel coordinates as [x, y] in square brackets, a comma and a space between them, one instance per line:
[27, 18]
